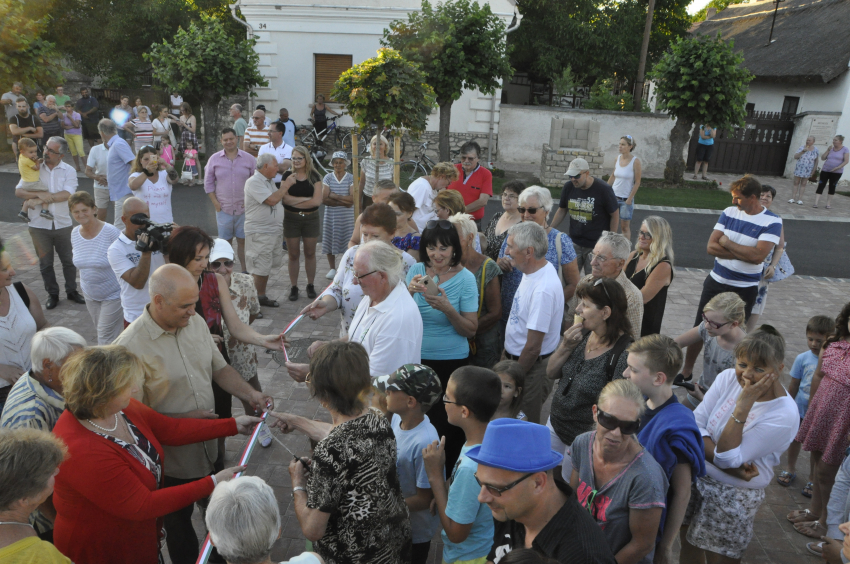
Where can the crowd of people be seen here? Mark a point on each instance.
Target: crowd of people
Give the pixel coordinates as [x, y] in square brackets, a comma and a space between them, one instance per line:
[454, 332]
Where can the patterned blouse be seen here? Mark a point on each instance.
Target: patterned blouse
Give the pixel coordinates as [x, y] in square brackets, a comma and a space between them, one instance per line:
[354, 478]
[143, 451]
[494, 242]
[243, 294]
[807, 162]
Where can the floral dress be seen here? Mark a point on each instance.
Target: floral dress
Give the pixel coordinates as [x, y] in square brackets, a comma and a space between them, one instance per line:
[354, 478]
[243, 294]
[806, 162]
[409, 241]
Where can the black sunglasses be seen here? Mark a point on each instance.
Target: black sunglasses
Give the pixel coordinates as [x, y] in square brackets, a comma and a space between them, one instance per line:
[610, 422]
[217, 264]
[441, 223]
[599, 282]
[497, 491]
[532, 211]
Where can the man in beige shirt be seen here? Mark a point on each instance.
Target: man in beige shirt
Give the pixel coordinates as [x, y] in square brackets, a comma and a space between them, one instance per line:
[608, 260]
[184, 361]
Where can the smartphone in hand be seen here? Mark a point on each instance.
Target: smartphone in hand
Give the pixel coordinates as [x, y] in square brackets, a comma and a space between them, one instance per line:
[430, 287]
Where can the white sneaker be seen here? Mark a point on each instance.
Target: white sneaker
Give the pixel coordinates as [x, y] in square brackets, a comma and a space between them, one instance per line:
[791, 201]
[265, 436]
[331, 273]
[799, 202]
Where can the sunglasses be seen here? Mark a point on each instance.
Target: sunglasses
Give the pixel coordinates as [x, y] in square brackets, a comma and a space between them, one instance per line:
[610, 422]
[218, 264]
[497, 491]
[532, 211]
[599, 283]
[713, 324]
[441, 223]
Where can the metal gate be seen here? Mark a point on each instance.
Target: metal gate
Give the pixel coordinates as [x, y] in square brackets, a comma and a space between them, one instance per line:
[760, 147]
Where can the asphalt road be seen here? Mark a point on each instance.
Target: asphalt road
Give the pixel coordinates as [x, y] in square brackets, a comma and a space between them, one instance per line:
[815, 248]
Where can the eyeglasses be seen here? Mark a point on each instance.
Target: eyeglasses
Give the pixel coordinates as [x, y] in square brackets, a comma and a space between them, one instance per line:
[497, 491]
[51, 151]
[712, 323]
[364, 275]
[218, 263]
[532, 211]
[600, 282]
[598, 258]
[610, 422]
[645, 234]
[446, 400]
[441, 223]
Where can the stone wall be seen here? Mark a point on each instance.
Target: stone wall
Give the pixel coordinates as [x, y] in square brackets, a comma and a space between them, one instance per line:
[555, 162]
[574, 133]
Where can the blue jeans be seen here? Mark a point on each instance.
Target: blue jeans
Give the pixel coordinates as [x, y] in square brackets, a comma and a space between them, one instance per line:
[626, 210]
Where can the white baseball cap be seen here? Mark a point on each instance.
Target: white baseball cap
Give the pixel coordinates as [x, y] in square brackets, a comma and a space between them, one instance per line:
[221, 249]
[577, 166]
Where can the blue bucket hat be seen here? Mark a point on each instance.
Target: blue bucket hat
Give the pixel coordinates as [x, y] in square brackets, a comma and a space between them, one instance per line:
[518, 446]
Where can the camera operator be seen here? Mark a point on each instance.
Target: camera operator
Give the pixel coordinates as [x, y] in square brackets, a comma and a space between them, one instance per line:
[132, 266]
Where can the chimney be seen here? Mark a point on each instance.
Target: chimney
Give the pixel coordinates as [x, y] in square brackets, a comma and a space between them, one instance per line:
[710, 13]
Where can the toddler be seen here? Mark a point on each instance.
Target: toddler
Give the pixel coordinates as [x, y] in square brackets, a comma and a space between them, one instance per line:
[513, 381]
[29, 165]
[166, 151]
[189, 162]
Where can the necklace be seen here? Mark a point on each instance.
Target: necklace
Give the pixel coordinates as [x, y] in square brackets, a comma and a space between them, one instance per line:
[93, 424]
[590, 350]
[16, 523]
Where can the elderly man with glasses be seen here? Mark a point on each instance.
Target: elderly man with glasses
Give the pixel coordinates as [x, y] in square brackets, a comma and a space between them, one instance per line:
[608, 260]
[54, 234]
[515, 462]
[257, 134]
[475, 183]
[592, 207]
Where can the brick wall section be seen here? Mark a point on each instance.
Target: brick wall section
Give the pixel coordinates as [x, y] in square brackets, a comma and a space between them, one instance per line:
[555, 162]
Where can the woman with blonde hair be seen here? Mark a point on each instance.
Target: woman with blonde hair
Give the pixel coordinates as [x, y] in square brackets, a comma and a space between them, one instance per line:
[650, 268]
[109, 495]
[302, 197]
[375, 167]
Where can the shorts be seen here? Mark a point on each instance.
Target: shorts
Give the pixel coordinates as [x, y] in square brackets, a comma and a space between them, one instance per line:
[626, 210]
[301, 225]
[230, 225]
[704, 152]
[75, 144]
[36, 186]
[721, 516]
[263, 253]
[101, 198]
[192, 168]
[90, 130]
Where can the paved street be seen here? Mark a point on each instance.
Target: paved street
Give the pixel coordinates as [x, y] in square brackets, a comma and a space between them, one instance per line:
[791, 304]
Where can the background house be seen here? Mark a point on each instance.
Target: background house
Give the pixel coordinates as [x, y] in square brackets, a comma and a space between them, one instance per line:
[802, 74]
[304, 47]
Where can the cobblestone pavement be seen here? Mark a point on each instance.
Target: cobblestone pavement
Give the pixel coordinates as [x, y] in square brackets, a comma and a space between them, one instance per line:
[791, 304]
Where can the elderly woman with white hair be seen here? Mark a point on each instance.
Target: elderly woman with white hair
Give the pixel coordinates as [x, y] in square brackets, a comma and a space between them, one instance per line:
[535, 203]
[243, 519]
[484, 348]
[374, 168]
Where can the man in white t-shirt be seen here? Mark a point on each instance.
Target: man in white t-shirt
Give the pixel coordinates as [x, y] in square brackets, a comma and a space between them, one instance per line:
[534, 325]
[289, 124]
[96, 170]
[132, 267]
[426, 188]
[277, 147]
[176, 100]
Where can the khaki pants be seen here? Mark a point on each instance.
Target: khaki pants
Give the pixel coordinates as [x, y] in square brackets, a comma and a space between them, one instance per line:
[537, 389]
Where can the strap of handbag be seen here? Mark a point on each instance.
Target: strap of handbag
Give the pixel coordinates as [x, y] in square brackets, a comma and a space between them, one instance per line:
[619, 347]
[473, 347]
[22, 291]
[558, 247]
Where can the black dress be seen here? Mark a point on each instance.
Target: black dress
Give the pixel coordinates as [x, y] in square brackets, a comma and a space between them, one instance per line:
[653, 310]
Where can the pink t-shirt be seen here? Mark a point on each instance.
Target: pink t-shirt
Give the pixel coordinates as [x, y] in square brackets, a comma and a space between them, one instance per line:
[168, 154]
[190, 155]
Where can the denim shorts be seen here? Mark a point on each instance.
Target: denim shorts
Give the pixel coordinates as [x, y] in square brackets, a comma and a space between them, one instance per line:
[230, 225]
[626, 210]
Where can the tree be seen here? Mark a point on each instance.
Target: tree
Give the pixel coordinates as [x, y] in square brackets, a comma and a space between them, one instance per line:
[460, 45]
[718, 5]
[700, 80]
[25, 56]
[387, 90]
[204, 61]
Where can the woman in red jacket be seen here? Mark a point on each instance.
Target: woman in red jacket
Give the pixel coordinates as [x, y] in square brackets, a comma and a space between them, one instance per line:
[108, 495]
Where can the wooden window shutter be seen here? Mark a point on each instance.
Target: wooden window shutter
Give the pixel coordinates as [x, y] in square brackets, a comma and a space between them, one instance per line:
[328, 69]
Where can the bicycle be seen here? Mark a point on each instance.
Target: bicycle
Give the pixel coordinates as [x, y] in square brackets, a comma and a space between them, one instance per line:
[421, 166]
[309, 137]
[365, 137]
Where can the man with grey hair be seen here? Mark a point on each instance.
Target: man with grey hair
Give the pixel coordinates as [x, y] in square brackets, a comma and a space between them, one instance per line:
[239, 123]
[387, 321]
[608, 260]
[534, 326]
[243, 519]
[118, 160]
[264, 225]
[182, 362]
[54, 234]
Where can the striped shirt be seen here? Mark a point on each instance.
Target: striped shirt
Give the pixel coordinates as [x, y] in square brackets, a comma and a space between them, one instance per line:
[746, 230]
[257, 137]
[31, 405]
[89, 255]
[143, 130]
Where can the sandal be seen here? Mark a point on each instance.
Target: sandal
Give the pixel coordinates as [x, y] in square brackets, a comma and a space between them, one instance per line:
[786, 478]
[695, 177]
[812, 529]
[807, 491]
[265, 301]
[815, 548]
[800, 516]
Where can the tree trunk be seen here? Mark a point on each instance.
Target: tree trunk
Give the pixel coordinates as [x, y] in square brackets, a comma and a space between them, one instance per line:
[445, 125]
[644, 48]
[211, 123]
[680, 135]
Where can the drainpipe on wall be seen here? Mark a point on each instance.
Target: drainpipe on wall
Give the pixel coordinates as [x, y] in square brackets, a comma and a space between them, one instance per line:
[233, 8]
[513, 27]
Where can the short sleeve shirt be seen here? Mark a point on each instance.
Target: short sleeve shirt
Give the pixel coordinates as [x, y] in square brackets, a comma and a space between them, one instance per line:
[240, 125]
[803, 370]
[412, 475]
[471, 188]
[260, 217]
[716, 359]
[424, 196]
[464, 508]
[123, 256]
[86, 104]
[281, 153]
[538, 305]
[157, 195]
[11, 109]
[590, 210]
[118, 168]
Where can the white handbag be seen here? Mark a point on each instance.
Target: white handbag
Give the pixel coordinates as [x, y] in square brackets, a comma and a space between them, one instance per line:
[186, 174]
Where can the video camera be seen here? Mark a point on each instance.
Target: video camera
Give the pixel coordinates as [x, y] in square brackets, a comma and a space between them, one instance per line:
[158, 233]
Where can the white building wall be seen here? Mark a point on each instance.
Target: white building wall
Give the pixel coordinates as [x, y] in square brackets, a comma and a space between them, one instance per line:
[831, 97]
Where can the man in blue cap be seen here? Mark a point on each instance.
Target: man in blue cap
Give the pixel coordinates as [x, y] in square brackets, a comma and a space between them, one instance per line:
[531, 509]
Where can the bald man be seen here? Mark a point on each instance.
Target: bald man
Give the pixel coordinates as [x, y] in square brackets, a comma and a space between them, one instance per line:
[183, 362]
[132, 267]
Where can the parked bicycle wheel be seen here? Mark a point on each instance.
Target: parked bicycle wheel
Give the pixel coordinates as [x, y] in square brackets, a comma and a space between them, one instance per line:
[392, 139]
[362, 144]
[410, 171]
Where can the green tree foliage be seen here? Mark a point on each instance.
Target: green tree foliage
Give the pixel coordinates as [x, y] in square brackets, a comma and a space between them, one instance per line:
[107, 38]
[460, 46]
[25, 56]
[602, 97]
[700, 80]
[717, 4]
[387, 90]
[206, 62]
[595, 38]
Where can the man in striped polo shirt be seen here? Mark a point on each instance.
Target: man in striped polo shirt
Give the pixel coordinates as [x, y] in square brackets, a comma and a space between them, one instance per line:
[742, 238]
[257, 135]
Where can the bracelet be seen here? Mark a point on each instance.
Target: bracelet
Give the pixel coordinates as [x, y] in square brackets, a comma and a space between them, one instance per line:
[215, 482]
[298, 489]
[738, 421]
